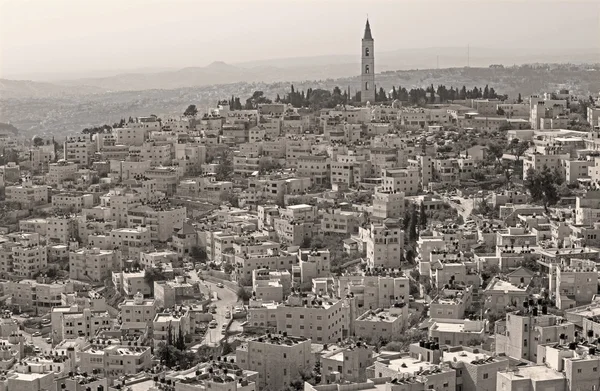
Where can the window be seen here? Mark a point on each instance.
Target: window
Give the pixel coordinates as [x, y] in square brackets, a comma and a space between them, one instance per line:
[367, 68]
[366, 86]
[366, 52]
[485, 375]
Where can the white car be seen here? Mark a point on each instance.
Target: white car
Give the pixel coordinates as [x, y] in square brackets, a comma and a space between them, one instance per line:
[227, 315]
[213, 324]
[220, 285]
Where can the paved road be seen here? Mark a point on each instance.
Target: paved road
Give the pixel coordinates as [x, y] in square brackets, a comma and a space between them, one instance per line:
[40, 342]
[464, 208]
[226, 302]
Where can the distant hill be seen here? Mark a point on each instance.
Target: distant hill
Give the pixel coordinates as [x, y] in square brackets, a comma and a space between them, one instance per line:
[18, 89]
[5, 128]
[215, 73]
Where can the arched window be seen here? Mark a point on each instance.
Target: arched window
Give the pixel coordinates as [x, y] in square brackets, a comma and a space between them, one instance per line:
[367, 68]
[366, 52]
[366, 85]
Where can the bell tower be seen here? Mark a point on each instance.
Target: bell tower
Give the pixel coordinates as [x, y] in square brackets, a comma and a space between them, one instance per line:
[367, 73]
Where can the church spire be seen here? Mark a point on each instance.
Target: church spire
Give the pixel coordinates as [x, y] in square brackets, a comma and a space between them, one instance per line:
[368, 31]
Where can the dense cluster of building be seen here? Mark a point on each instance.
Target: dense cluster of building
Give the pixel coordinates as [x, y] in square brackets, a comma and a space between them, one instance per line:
[353, 239]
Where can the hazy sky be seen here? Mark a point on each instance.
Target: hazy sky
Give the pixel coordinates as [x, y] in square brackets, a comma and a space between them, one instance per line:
[48, 36]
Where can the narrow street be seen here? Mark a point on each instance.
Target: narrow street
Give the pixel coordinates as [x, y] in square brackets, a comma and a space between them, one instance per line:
[227, 300]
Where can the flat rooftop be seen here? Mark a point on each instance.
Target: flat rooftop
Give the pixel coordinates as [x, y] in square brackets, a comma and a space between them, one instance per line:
[279, 339]
[410, 365]
[534, 372]
[504, 286]
[467, 357]
[451, 327]
[378, 316]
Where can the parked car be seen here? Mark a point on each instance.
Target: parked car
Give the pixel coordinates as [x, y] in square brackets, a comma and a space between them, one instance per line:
[49, 340]
[224, 328]
[227, 315]
[213, 324]
[36, 334]
[220, 285]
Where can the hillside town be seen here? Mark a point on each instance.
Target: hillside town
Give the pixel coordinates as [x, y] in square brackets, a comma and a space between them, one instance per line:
[433, 238]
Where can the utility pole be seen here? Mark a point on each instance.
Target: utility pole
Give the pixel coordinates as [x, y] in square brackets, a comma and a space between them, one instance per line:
[468, 55]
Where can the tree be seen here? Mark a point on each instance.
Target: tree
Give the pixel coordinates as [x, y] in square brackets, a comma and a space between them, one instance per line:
[228, 196]
[154, 274]
[422, 216]
[225, 167]
[496, 151]
[191, 111]
[243, 295]
[486, 92]
[180, 342]
[228, 268]
[500, 111]
[413, 232]
[38, 141]
[543, 185]
[198, 254]
[266, 164]
[519, 98]
[518, 148]
[257, 98]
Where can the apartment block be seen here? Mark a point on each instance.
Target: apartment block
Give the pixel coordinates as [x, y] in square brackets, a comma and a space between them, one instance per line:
[271, 285]
[500, 293]
[61, 171]
[388, 205]
[382, 323]
[313, 264]
[277, 358]
[346, 362]
[451, 302]
[396, 180]
[384, 243]
[27, 194]
[457, 332]
[587, 208]
[115, 360]
[575, 283]
[159, 217]
[218, 375]
[373, 291]
[92, 264]
[261, 255]
[475, 369]
[131, 241]
[74, 322]
[523, 331]
[72, 202]
[79, 150]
